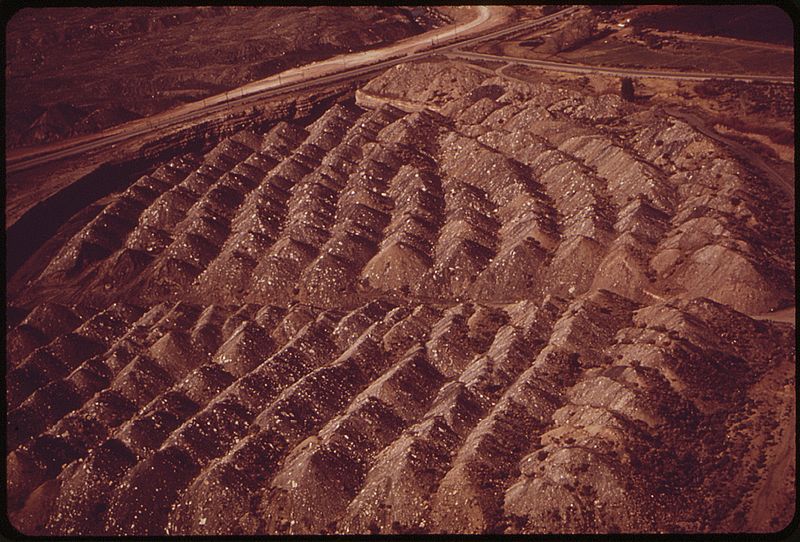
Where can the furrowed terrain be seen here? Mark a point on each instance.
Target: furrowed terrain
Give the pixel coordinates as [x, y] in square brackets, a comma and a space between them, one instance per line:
[459, 303]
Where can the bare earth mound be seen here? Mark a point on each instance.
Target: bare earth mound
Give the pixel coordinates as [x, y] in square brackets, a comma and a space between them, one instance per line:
[463, 304]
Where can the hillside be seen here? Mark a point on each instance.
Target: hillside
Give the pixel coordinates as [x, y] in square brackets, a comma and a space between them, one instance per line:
[71, 71]
[459, 303]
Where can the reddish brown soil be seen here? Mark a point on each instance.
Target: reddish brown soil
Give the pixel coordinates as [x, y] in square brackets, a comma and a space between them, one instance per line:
[768, 23]
[78, 70]
[519, 311]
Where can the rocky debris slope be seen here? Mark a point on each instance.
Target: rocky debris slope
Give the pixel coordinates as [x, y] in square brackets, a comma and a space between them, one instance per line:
[510, 192]
[590, 415]
[521, 312]
[578, 31]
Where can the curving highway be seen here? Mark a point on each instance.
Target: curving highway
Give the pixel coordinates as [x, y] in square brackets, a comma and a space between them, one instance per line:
[348, 67]
[339, 68]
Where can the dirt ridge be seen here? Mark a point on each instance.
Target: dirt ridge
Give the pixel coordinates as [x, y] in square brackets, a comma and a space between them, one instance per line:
[523, 311]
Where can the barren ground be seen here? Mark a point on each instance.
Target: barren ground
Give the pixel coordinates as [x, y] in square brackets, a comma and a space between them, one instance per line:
[759, 115]
[462, 299]
[79, 70]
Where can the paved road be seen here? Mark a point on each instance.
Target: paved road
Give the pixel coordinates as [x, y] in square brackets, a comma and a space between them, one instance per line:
[333, 70]
[620, 72]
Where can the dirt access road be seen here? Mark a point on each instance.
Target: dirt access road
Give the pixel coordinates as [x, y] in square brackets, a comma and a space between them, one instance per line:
[788, 314]
[721, 40]
[486, 18]
[785, 185]
[620, 72]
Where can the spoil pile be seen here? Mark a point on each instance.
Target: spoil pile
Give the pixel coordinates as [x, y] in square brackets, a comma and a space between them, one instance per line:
[521, 312]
